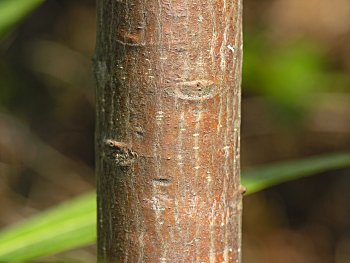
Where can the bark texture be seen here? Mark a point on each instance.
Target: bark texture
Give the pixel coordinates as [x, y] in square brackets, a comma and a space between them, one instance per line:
[167, 135]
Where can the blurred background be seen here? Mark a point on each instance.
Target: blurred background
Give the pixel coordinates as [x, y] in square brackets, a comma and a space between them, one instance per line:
[296, 103]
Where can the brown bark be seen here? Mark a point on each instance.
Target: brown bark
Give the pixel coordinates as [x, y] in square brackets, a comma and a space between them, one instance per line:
[167, 135]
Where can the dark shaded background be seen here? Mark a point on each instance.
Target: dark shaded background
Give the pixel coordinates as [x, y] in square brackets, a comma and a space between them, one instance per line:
[296, 103]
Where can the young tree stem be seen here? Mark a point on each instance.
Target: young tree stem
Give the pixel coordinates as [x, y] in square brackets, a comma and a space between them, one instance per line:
[168, 130]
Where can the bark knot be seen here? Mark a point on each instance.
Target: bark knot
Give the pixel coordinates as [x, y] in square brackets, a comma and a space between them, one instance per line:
[120, 152]
[195, 90]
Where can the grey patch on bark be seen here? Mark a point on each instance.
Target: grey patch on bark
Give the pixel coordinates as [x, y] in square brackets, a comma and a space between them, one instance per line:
[161, 181]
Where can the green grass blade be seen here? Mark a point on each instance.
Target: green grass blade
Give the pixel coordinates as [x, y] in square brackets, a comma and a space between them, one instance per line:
[64, 227]
[12, 11]
[260, 178]
[73, 224]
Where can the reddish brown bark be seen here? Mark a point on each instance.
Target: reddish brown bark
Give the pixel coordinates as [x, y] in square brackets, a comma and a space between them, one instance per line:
[167, 136]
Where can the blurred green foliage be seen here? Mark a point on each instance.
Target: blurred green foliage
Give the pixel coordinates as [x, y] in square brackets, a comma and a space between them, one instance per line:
[13, 11]
[287, 75]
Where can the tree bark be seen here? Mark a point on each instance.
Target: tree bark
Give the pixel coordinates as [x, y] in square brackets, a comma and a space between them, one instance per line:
[168, 129]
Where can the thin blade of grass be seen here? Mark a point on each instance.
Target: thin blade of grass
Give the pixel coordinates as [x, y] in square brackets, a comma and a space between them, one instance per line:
[260, 178]
[67, 226]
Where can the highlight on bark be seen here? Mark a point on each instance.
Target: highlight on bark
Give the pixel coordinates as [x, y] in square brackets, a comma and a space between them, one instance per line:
[168, 130]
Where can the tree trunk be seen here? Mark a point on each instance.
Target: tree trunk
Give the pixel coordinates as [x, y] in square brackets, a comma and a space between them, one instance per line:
[167, 131]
